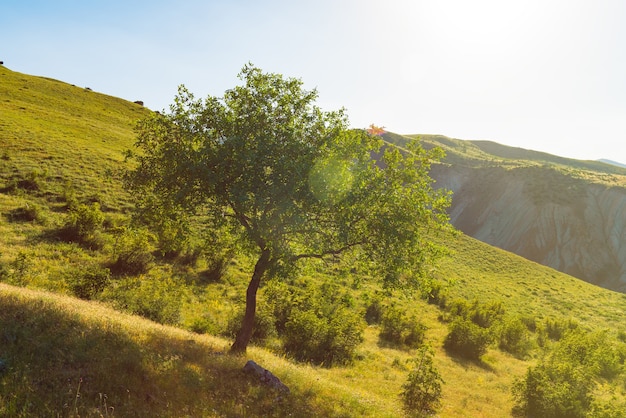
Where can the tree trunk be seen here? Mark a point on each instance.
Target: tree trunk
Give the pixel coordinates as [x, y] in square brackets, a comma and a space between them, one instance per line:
[247, 325]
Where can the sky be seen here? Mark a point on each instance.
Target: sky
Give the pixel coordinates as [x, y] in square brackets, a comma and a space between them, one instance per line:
[547, 75]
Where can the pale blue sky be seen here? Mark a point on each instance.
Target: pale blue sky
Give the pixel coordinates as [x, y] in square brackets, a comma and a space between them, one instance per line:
[548, 75]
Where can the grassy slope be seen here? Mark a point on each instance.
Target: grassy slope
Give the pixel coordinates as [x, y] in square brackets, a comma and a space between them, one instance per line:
[70, 141]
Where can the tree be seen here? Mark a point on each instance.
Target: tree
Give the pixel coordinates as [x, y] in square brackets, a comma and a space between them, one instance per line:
[421, 393]
[289, 182]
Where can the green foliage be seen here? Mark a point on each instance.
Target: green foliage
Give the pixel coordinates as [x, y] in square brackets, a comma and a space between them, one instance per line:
[17, 271]
[554, 390]
[317, 323]
[89, 281]
[83, 224]
[555, 329]
[399, 329]
[132, 252]
[264, 325]
[486, 315]
[155, 298]
[421, 394]
[514, 337]
[467, 339]
[290, 182]
[562, 384]
[323, 340]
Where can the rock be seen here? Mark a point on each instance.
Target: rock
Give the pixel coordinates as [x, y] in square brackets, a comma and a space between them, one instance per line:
[265, 376]
[564, 222]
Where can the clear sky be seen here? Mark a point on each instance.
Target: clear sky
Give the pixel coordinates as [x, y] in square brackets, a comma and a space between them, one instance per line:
[548, 75]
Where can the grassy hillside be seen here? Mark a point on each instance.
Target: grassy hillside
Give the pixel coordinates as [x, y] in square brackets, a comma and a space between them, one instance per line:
[62, 152]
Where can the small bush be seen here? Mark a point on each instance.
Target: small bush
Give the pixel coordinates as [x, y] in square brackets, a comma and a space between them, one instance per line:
[562, 383]
[27, 213]
[487, 314]
[421, 394]
[326, 341]
[398, 329]
[132, 253]
[467, 339]
[88, 283]
[554, 389]
[514, 337]
[17, 271]
[556, 328]
[83, 224]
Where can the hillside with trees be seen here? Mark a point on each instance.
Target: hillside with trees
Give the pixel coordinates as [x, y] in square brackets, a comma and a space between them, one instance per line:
[111, 311]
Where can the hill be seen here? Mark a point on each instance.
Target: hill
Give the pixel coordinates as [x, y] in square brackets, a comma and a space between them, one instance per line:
[563, 213]
[60, 168]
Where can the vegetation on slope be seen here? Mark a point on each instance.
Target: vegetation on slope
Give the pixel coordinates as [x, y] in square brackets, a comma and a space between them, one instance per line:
[133, 367]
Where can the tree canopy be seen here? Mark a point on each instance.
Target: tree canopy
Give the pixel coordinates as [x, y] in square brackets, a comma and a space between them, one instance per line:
[290, 182]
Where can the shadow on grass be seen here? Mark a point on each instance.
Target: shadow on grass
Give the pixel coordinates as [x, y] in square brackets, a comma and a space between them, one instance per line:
[466, 363]
[58, 363]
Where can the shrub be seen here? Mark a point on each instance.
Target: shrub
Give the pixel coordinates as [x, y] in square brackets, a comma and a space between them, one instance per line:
[322, 340]
[397, 328]
[279, 301]
[132, 252]
[514, 337]
[421, 394]
[27, 213]
[158, 299]
[467, 339]
[486, 314]
[562, 384]
[83, 224]
[554, 389]
[17, 271]
[89, 282]
[556, 328]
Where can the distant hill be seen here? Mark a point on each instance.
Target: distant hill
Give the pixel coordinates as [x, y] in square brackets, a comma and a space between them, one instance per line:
[604, 160]
[564, 213]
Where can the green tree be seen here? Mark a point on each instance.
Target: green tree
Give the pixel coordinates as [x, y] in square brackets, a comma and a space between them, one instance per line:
[421, 393]
[289, 181]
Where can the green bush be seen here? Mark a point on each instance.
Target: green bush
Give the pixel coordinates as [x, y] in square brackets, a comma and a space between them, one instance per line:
[421, 394]
[17, 271]
[554, 389]
[158, 299]
[323, 340]
[27, 213]
[515, 337]
[83, 224]
[89, 282]
[399, 329]
[279, 300]
[556, 328]
[562, 383]
[486, 314]
[467, 339]
[132, 252]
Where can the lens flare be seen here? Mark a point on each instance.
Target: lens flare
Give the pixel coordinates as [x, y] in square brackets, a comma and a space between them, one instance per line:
[330, 179]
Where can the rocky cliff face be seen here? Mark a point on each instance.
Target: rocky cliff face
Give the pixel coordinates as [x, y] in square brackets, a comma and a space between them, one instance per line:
[542, 214]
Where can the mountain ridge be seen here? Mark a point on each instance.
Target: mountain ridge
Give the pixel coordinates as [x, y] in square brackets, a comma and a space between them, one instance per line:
[564, 213]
